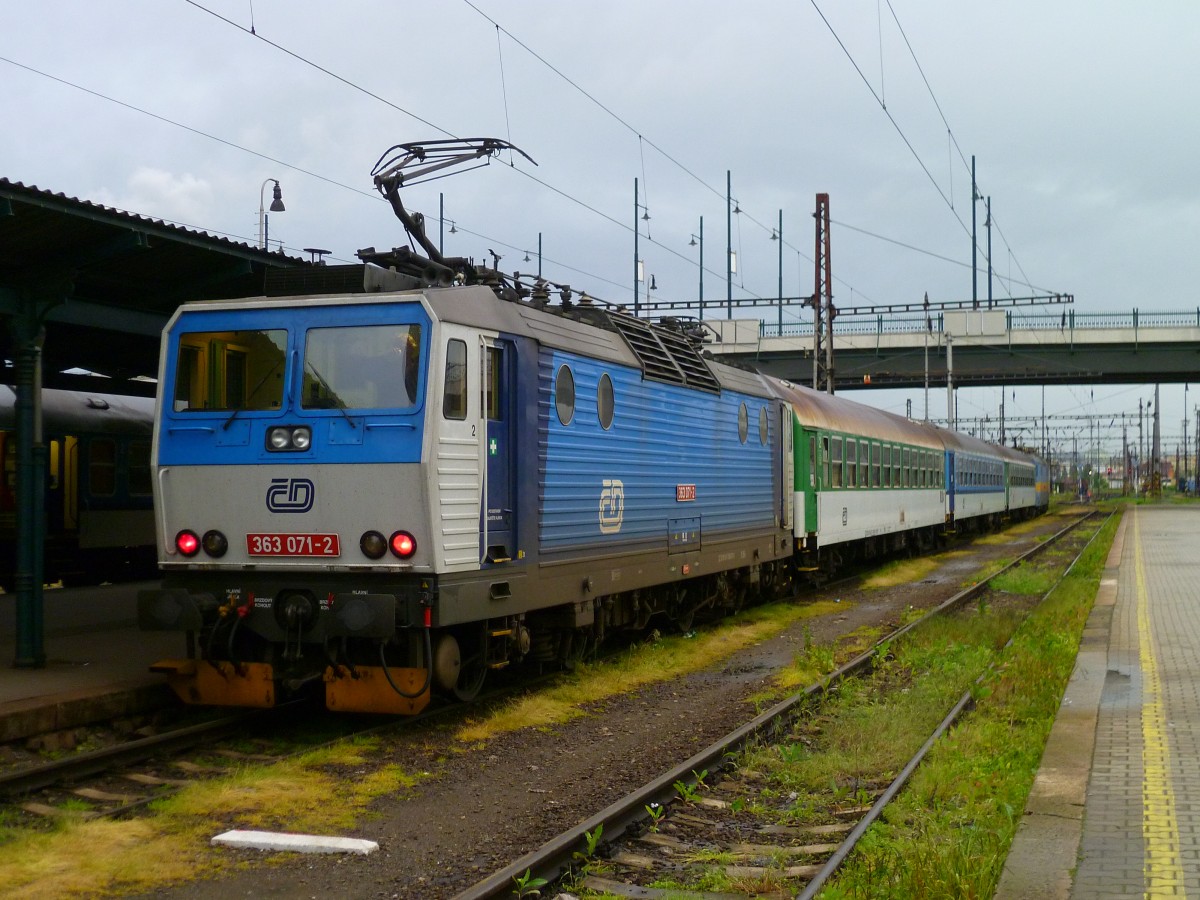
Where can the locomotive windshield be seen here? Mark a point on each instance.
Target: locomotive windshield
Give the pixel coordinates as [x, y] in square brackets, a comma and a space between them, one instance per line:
[230, 370]
[362, 367]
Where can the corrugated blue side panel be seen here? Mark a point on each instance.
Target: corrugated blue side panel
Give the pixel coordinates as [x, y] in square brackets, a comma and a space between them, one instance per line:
[609, 487]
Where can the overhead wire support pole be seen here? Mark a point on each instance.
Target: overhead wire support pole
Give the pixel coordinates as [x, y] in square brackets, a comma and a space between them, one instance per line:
[822, 299]
[974, 239]
[988, 224]
[636, 262]
[728, 246]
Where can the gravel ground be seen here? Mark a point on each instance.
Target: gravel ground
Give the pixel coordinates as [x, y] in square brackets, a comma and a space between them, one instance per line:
[485, 808]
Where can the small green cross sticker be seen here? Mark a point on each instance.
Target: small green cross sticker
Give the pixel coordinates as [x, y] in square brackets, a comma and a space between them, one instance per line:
[491, 446]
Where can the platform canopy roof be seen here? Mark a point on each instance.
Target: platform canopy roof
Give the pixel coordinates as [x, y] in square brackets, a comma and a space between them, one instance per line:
[103, 282]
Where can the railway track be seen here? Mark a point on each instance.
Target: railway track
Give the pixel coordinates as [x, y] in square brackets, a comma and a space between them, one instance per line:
[120, 779]
[697, 810]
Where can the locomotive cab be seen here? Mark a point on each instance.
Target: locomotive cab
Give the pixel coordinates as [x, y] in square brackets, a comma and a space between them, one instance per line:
[305, 507]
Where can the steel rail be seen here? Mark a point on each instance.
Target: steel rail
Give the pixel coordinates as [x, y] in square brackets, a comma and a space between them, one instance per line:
[23, 781]
[20, 781]
[552, 859]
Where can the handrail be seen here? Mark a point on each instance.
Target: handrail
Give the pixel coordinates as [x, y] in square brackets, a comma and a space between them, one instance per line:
[1068, 321]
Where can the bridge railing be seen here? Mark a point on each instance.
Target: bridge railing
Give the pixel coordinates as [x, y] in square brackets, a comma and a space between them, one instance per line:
[1016, 320]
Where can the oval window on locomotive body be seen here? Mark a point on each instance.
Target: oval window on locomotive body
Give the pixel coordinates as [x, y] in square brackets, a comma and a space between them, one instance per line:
[743, 423]
[605, 402]
[762, 426]
[564, 394]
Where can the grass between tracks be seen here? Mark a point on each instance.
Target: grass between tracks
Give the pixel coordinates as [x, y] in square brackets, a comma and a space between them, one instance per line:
[644, 664]
[948, 832]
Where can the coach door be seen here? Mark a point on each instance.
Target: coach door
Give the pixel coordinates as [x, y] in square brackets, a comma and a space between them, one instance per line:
[498, 528]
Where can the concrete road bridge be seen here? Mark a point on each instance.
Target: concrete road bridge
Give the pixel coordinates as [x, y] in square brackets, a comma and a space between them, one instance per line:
[998, 346]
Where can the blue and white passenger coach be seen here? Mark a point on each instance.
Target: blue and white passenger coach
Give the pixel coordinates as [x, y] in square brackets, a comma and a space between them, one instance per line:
[388, 492]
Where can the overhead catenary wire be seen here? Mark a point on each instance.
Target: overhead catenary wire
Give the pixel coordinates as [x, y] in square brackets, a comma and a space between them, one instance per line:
[499, 28]
[442, 130]
[949, 131]
[197, 131]
[320, 68]
[504, 93]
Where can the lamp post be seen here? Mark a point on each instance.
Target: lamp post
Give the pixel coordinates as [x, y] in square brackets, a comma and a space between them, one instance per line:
[276, 206]
[692, 243]
[638, 263]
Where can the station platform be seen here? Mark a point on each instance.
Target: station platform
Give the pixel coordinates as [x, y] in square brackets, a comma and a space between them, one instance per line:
[96, 662]
[1115, 809]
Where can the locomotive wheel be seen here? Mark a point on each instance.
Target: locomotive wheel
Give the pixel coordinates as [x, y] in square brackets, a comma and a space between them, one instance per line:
[684, 617]
[447, 663]
[470, 678]
[578, 647]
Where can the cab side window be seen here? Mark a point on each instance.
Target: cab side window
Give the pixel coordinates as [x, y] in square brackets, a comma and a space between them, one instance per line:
[454, 401]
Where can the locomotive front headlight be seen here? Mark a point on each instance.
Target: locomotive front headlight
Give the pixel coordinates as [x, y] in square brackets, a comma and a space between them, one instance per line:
[302, 438]
[279, 438]
[403, 544]
[215, 544]
[187, 542]
[373, 544]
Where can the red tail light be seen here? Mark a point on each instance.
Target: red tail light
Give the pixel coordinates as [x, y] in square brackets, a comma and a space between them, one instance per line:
[403, 544]
[187, 542]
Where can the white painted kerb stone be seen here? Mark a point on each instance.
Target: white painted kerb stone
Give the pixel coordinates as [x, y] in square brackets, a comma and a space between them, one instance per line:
[297, 843]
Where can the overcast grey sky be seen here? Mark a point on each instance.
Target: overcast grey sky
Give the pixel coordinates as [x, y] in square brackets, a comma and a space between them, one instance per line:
[1081, 116]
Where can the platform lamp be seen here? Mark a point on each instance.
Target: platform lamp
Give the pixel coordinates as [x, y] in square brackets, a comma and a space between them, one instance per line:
[276, 206]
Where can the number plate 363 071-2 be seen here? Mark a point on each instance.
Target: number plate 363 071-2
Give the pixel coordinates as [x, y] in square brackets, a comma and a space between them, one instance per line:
[276, 544]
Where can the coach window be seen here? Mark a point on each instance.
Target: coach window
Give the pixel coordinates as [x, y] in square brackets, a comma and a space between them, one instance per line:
[905, 468]
[604, 401]
[875, 451]
[851, 463]
[139, 468]
[743, 423]
[836, 458]
[887, 465]
[864, 463]
[102, 467]
[564, 394]
[762, 426]
[827, 481]
[454, 401]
